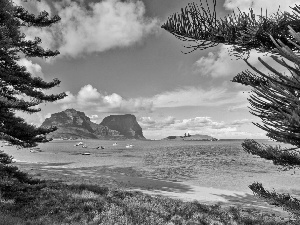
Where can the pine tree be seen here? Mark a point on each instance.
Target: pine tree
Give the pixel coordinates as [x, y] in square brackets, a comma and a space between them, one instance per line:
[19, 90]
[275, 95]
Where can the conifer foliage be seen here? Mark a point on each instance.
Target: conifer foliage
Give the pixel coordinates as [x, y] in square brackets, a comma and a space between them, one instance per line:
[200, 28]
[275, 94]
[19, 90]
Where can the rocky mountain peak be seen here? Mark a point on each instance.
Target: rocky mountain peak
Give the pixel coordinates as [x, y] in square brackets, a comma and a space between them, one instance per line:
[75, 124]
[125, 124]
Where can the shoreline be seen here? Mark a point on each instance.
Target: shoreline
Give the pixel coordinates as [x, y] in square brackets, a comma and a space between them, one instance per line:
[119, 171]
[129, 179]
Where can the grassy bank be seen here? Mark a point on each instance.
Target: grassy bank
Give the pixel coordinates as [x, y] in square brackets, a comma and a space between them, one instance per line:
[56, 203]
[24, 200]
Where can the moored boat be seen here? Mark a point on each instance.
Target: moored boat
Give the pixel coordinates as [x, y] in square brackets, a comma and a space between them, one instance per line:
[86, 153]
[79, 143]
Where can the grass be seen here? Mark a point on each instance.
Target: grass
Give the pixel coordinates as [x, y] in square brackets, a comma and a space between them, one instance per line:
[24, 200]
[58, 203]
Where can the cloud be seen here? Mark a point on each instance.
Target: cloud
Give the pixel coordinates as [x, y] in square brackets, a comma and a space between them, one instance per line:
[196, 96]
[157, 128]
[94, 118]
[33, 68]
[218, 64]
[197, 123]
[48, 115]
[240, 122]
[239, 107]
[272, 6]
[150, 123]
[96, 27]
[34, 119]
[34, 7]
[89, 98]
[221, 64]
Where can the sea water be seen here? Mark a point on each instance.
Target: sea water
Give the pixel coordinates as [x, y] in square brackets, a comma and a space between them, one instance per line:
[217, 164]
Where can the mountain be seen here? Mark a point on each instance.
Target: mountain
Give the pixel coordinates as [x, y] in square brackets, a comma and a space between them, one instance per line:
[75, 124]
[125, 124]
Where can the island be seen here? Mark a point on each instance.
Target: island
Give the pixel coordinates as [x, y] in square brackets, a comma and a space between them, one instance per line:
[188, 137]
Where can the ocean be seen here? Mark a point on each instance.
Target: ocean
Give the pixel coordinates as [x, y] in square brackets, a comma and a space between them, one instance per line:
[221, 164]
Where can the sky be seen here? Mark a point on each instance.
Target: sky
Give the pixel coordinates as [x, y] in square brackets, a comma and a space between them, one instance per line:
[115, 59]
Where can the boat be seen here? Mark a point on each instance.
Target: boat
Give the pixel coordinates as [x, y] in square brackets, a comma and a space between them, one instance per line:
[84, 146]
[86, 153]
[35, 150]
[115, 144]
[129, 146]
[79, 143]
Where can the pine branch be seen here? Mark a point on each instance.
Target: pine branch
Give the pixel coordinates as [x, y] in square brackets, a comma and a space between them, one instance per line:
[42, 20]
[18, 132]
[284, 201]
[244, 31]
[5, 159]
[282, 157]
[275, 97]
[247, 78]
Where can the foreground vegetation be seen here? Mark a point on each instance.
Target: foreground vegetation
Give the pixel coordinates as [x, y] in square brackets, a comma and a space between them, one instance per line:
[25, 200]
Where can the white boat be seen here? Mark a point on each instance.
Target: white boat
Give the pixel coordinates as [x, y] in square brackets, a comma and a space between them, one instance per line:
[34, 151]
[115, 144]
[84, 146]
[129, 146]
[86, 153]
[79, 143]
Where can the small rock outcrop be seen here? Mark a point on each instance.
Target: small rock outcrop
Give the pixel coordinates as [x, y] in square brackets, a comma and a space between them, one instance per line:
[125, 124]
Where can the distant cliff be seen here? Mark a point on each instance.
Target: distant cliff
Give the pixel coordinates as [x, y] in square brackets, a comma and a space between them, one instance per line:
[125, 124]
[75, 124]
